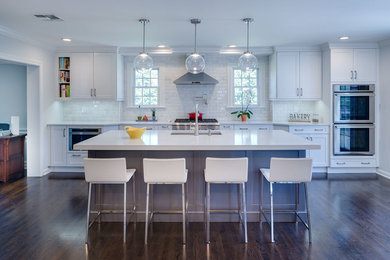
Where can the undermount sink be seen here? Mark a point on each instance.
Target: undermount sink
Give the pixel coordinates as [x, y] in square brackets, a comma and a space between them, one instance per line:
[192, 133]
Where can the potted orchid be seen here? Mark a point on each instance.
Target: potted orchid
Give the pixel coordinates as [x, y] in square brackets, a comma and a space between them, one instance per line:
[246, 100]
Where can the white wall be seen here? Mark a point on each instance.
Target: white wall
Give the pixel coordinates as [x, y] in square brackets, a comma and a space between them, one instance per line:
[13, 89]
[43, 99]
[384, 118]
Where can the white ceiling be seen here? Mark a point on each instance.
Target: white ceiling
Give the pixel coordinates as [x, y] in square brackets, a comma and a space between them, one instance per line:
[277, 22]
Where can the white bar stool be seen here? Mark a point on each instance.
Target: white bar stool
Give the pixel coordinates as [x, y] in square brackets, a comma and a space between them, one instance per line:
[165, 171]
[226, 171]
[108, 171]
[287, 171]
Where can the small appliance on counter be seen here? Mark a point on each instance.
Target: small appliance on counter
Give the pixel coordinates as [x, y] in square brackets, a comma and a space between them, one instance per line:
[4, 129]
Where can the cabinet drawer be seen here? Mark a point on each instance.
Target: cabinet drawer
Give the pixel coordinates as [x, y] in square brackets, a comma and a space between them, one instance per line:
[165, 127]
[360, 163]
[227, 127]
[309, 129]
[77, 158]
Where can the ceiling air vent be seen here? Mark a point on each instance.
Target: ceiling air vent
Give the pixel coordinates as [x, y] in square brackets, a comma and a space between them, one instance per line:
[48, 17]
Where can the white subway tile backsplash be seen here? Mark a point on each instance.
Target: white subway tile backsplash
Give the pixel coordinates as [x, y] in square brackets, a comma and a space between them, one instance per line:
[178, 101]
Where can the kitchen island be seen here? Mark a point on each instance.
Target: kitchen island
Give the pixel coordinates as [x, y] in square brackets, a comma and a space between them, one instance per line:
[259, 146]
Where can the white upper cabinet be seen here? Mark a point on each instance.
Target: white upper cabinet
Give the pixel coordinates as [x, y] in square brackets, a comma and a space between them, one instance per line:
[96, 76]
[81, 75]
[296, 75]
[310, 74]
[105, 75]
[354, 65]
[287, 75]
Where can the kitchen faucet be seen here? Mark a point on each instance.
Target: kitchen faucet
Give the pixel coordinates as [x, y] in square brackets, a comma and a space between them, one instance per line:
[196, 130]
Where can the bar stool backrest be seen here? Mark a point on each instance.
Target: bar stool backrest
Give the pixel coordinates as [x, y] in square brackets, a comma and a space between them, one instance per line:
[112, 170]
[226, 170]
[165, 170]
[290, 170]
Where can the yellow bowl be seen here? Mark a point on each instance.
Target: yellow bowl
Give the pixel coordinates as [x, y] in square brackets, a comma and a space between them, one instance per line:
[134, 133]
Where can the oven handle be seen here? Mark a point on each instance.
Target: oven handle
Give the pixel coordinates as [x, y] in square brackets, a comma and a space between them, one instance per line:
[85, 133]
[354, 126]
[354, 94]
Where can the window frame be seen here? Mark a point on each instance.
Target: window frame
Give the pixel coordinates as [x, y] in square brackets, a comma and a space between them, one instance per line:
[134, 78]
[260, 93]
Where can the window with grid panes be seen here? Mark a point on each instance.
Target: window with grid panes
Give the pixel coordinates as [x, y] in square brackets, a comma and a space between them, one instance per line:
[146, 88]
[244, 82]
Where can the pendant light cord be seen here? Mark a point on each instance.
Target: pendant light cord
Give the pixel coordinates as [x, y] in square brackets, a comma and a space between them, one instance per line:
[195, 40]
[247, 36]
[143, 44]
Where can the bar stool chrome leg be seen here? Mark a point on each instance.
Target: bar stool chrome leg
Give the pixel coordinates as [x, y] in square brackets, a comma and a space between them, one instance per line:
[183, 200]
[134, 202]
[124, 213]
[245, 220]
[239, 197]
[296, 201]
[88, 210]
[147, 214]
[208, 214]
[272, 211]
[308, 212]
[261, 197]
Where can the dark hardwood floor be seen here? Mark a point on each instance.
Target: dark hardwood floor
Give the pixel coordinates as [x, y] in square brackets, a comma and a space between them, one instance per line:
[44, 218]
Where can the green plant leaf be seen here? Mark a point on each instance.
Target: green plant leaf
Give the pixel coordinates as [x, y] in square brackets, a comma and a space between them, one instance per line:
[235, 112]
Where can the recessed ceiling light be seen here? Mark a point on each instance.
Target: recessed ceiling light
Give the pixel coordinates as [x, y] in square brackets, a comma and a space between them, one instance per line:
[161, 46]
[66, 39]
[232, 46]
[344, 38]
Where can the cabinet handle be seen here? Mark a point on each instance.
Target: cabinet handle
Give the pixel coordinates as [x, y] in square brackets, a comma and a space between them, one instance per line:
[91, 92]
[149, 128]
[63, 132]
[243, 128]
[352, 74]
[298, 130]
[301, 92]
[76, 155]
[319, 130]
[340, 163]
[164, 126]
[365, 163]
[263, 128]
[355, 74]
[297, 92]
[94, 92]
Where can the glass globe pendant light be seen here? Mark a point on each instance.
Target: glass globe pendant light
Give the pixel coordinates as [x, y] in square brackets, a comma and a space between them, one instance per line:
[195, 63]
[143, 62]
[247, 62]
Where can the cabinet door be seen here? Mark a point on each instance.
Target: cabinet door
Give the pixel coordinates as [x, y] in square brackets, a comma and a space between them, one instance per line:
[342, 65]
[287, 73]
[310, 75]
[365, 61]
[58, 151]
[104, 75]
[320, 157]
[81, 75]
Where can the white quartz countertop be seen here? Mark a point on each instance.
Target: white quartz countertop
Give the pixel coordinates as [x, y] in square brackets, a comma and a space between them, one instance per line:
[229, 140]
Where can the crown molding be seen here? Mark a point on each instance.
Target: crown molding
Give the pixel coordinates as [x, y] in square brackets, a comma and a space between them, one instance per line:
[17, 36]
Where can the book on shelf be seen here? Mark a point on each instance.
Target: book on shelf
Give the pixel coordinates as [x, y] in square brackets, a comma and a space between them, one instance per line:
[64, 90]
[64, 63]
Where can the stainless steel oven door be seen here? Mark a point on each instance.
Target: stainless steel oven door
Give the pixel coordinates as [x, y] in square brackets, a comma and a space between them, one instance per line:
[354, 108]
[77, 135]
[354, 139]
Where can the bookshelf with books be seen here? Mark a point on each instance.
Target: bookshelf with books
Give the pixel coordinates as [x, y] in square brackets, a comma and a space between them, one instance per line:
[64, 77]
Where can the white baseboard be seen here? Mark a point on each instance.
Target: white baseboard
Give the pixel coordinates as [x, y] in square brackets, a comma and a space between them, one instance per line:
[383, 173]
[46, 171]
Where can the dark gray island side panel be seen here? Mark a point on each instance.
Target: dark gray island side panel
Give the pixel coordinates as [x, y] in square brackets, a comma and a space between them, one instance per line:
[168, 197]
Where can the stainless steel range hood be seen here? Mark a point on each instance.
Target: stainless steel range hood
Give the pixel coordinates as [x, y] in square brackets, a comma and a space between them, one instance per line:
[196, 79]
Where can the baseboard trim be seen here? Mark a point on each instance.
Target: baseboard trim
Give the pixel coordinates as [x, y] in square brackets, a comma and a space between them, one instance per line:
[383, 173]
[46, 171]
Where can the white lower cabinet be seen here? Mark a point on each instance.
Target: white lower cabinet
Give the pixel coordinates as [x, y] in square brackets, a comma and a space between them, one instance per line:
[247, 127]
[317, 134]
[58, 145]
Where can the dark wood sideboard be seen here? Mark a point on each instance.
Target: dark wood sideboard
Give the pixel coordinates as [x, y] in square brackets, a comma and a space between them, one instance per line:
[11, 157]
